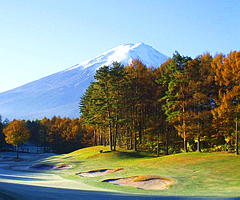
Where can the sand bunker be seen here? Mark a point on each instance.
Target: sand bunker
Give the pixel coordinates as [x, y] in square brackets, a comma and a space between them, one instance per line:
[47, 166]
[41, 167]
[67, 157]
[61, 166]
[100, 172]
[146, 182]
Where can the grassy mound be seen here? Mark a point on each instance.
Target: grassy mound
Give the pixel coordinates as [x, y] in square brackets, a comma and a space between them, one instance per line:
[194, 174]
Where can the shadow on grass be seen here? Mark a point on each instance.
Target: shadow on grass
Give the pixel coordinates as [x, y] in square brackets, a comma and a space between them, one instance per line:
[39, 192]
[5, 196]
[131, 154]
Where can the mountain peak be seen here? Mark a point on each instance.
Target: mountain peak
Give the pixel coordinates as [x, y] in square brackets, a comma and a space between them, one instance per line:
[59, 93]
[125, 54]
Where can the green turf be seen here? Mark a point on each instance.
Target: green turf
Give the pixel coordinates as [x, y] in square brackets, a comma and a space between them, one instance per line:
[194, 174]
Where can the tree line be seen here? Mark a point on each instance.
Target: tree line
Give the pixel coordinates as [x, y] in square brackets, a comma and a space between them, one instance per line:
[183, 105]
[59, 135]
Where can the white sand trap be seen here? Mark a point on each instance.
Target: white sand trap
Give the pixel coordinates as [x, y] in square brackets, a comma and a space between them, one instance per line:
[46, 166]
[41, 167]
[100, 172]
[62, 166]
[67, 157]
[143, 182]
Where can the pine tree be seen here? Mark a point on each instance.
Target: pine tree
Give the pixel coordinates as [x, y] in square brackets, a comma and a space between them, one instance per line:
[160, 116]
[102, 101]
[176, 96]
[44, 132]
[118, 84]
[89, 111]
[2, 140]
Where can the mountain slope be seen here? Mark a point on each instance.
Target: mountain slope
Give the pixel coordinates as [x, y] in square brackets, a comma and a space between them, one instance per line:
[59, 93]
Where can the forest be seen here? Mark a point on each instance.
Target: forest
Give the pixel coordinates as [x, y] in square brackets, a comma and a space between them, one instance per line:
[59, 135]
[183, 105]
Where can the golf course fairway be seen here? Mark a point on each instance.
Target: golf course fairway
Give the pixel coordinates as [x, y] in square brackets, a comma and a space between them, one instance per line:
[214, 175]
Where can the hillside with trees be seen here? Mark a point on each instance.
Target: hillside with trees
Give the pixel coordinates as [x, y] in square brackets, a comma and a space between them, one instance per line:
[183, 105]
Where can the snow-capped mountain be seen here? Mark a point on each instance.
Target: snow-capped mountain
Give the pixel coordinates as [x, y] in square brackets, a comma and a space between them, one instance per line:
[59, 93]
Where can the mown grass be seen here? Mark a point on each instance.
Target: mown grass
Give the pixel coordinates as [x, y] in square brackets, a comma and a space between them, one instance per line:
[194, 174]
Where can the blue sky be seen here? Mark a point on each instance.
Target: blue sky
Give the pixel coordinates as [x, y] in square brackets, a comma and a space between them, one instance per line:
[41, 37]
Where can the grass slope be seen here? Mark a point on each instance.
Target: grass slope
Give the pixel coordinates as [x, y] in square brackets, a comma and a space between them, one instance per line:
[194, 174]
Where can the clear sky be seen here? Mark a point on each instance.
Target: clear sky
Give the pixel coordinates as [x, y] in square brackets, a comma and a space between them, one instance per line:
[41, 37]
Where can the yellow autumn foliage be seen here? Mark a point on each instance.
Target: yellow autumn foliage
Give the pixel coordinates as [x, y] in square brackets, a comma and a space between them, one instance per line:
[16, 132]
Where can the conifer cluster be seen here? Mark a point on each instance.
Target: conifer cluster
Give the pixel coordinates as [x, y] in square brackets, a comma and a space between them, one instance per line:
[183, 105]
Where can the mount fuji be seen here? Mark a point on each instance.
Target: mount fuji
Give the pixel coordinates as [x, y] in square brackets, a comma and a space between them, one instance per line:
[59, 94]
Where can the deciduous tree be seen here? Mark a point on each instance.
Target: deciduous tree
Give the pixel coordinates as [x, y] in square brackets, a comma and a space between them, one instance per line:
[16, 132]
[228, 78]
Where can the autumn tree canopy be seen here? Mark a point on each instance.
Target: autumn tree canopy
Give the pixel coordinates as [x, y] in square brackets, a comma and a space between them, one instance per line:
[16, 132]
[185, 104]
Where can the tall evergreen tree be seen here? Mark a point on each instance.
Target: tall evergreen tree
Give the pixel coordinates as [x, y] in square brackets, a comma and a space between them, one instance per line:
[177, 96]
[102, 102]
[2, 138]
[89, 110]
[162, 80]
[118, 90]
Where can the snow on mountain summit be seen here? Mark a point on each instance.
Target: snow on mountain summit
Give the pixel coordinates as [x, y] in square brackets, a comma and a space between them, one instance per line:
[125, 54]
[59, 94]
